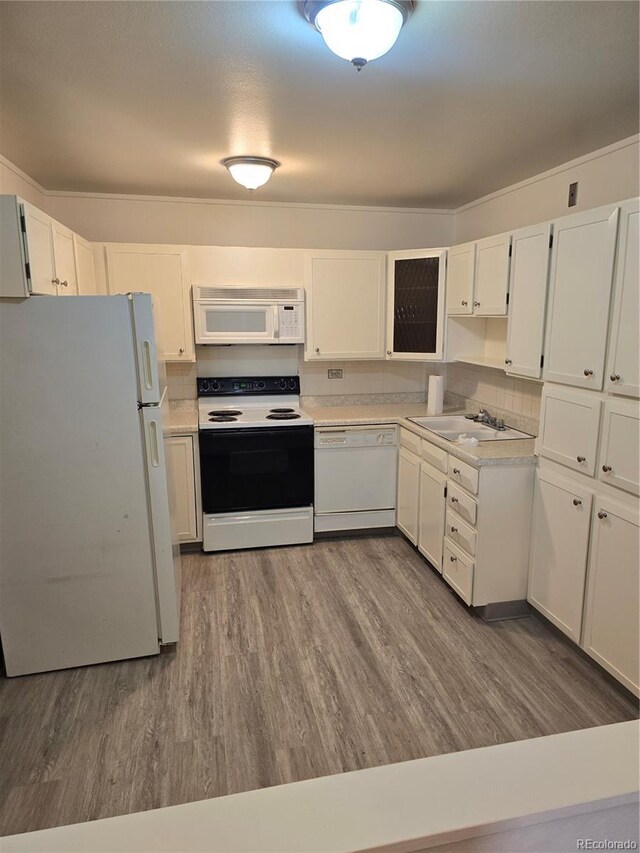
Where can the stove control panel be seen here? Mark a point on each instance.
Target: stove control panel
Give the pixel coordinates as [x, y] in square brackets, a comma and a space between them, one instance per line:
[215, 386]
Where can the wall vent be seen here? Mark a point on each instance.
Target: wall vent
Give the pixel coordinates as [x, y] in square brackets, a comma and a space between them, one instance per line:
[240, 293]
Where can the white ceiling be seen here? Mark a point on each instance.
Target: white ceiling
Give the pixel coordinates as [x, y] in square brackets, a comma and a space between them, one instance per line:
[147, 97]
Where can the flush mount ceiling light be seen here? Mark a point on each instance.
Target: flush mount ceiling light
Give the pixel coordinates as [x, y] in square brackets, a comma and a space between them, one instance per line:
[251, 172]
[358, 30]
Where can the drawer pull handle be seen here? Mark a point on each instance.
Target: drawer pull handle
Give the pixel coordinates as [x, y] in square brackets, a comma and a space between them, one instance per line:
[581, 458]
[587, 372]
[615, 377]
[606, 468]
[454, 529]
[454, 500]
[577, 502]
[453, 559]
[602, 514]
[456, 470]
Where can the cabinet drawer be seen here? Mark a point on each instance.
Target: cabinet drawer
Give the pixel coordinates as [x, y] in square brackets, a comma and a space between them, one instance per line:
[434, 456]
[569, 427]
[457, 569]
[411, 441]
[462, 503]
[619, 456]
[464, 475]
[460, 533]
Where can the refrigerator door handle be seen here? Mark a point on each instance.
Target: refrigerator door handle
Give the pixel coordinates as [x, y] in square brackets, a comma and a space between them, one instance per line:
[154, 451]
[147, 365]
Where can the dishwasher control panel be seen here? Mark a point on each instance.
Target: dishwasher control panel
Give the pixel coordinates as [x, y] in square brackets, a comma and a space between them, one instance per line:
[356, 437]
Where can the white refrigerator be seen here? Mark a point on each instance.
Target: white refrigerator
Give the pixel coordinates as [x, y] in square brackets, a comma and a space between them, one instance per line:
[89, 566]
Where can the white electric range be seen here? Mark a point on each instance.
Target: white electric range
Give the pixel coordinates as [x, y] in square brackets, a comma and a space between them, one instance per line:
[256, 462]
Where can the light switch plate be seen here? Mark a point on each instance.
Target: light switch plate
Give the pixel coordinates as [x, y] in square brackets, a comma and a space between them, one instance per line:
[335, 373]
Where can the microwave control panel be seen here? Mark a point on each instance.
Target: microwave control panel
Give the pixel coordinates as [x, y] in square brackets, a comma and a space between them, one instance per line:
[290, 322]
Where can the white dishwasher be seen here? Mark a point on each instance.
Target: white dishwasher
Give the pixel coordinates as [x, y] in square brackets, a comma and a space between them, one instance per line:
[355, 477]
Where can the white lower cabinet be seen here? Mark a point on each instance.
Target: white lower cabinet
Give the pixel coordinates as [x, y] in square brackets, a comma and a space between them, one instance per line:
[472, 524]
[432, 505]
[620, 446]
[183, 477]
[560, 538]
[569, 427]
[611, 632]
[408, 493]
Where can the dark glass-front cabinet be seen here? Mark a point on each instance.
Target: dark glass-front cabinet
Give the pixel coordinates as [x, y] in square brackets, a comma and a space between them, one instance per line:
[416, 293]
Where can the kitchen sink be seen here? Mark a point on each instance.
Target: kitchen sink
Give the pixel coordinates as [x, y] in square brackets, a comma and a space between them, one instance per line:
[452, 427]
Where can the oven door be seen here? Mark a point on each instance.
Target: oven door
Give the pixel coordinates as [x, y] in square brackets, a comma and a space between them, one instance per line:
[234, 323]
[252, 469]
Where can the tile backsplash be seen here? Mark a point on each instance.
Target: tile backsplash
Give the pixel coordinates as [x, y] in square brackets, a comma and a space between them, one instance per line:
[181, 381]
[365, 377]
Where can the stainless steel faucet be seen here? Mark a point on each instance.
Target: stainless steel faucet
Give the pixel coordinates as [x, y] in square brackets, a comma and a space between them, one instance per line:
[483, 417]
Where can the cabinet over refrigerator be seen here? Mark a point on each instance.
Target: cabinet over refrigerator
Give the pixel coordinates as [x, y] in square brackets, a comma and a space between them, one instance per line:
[89, 568]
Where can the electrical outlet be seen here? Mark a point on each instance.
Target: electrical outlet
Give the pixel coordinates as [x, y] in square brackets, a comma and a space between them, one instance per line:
[573, 194]
[336, 373]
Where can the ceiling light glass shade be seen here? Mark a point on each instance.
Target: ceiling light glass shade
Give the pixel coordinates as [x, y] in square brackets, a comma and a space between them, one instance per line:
[358, 30]
[251, 172]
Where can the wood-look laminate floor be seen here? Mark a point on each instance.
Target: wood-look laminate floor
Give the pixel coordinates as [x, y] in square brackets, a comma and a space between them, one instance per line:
[294, 663]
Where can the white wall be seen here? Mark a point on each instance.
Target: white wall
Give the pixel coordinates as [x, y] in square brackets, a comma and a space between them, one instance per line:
[604, 176]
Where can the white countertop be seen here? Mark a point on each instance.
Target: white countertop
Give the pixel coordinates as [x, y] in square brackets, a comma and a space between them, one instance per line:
[508, 452]
[413, 805]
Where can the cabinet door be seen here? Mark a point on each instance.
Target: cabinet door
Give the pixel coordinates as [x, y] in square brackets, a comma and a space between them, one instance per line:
[611, 613]
[65, 260]
[162, 272]
[179, 455]
[408, 494]
[560, 537]
[530, 250]
[39, 245]
[461, 268]
[619, 450]
[492, 275]
[85, 269]
[415, 317]
[345, 306]
[580, 292]
[623, 373]
[569, 428]
[432, 505]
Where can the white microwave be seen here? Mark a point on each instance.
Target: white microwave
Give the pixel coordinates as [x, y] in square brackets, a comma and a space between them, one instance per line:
[248, 315]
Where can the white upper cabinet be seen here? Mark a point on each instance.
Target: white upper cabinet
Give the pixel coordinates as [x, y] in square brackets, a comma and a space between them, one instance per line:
[416, 305]
[611, 630]
[560, 539]
[620, 446]
[162, 272]
[85, 269]
[65, 261]
[345, 300]
[530, 250]
[582, 262]
[39, 250]
[461, 269]
[623, 370]
[492, 276]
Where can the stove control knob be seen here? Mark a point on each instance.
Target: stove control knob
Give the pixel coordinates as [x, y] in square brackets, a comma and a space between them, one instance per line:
[283, 384]
[214, 386]
[204, 385]
[261, 385]
[292, 384]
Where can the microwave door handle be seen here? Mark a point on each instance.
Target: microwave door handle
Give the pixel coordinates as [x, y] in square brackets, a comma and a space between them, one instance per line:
[276, 322]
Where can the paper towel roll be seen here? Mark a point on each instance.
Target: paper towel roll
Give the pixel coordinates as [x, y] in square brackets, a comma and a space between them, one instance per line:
[435, 395]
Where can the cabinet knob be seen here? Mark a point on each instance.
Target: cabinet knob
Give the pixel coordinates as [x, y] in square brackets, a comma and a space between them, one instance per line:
[456, 470]
[453, 559]
[388, 352]
[464, 302]
[602, 514]
[454, 529]
[587, 372]
[317, 349]
[581, 458]
[454, 500]
[63, 283]
[477, 304]
[577, 502]
[508, 361]
[55, 281]
[615, 377]
[606, 468]
[181, 350]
